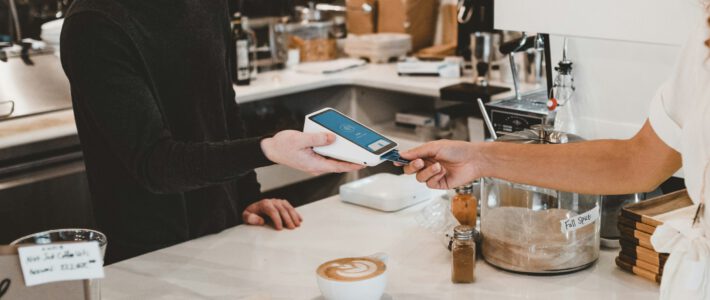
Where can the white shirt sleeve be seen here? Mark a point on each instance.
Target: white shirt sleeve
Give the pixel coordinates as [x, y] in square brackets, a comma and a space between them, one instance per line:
[665, 127]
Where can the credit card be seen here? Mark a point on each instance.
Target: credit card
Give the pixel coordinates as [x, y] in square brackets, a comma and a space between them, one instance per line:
[393, 156]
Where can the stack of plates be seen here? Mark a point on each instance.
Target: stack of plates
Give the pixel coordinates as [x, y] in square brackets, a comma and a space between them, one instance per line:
[637, 223]
[378, 47]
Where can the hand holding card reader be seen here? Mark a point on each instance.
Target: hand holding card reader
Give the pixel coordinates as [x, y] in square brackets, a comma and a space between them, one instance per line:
[354, 142]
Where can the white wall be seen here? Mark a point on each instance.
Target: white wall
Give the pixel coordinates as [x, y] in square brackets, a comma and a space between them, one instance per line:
[622, 51]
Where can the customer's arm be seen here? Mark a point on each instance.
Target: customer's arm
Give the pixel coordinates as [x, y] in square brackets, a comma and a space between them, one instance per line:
[595, 167]
[106, 70]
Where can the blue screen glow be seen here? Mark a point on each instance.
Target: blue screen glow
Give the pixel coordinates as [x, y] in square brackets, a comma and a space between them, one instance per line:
[351, 130]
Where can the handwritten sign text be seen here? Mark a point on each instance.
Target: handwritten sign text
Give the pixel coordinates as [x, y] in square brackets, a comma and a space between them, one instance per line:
[59, 262]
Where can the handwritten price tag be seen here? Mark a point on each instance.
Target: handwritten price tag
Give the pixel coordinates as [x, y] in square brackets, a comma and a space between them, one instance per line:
[58, 262]
[580, 221]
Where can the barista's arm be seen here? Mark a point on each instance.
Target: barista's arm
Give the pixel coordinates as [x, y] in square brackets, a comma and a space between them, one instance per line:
[595, 167]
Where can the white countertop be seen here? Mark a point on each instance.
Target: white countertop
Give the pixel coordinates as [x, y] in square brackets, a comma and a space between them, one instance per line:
[248, 262]
[381, 76]
[268, 85]
[37, 128]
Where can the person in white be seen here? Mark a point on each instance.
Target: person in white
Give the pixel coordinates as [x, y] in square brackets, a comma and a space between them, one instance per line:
[677, 133]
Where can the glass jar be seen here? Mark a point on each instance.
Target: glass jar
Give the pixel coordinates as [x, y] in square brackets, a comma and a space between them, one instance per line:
[464, 205]
[538, 230]
[463, 252]
[315, 40]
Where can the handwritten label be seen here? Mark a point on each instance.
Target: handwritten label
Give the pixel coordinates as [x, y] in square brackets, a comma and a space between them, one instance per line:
[580, 221]
[59, 262]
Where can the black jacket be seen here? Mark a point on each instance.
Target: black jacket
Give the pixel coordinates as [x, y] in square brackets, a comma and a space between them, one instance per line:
[165, 150]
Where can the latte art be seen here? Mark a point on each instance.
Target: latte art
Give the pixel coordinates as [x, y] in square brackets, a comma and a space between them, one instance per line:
[351, 269]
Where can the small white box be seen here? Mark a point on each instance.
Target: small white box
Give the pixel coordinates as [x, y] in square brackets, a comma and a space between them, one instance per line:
[385, 192]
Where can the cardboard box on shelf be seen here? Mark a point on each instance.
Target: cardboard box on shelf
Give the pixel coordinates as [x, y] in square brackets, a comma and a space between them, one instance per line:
[415, 17]
[360, 21]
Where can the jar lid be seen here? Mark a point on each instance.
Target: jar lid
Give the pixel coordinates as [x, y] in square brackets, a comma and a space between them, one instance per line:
[463, 232]
[540, 134]
[464, 189]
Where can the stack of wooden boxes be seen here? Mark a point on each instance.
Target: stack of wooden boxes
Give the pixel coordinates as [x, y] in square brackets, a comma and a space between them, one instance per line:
[637, 223]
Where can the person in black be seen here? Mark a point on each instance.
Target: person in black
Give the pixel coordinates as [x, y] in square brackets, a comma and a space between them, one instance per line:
[165, 150]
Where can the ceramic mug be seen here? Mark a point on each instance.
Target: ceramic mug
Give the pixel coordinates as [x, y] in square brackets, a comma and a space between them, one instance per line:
[371, 288]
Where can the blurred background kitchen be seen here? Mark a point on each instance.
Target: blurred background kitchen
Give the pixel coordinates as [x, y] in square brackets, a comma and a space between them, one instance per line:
[412, 69]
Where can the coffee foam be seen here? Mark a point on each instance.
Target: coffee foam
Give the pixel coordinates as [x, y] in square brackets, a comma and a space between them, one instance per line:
[351, 269]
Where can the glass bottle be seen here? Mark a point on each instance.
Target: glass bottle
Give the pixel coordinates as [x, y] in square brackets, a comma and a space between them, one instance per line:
[463, 252]
[464, 205]
[563, 91]
[240, 38]
[251, 36]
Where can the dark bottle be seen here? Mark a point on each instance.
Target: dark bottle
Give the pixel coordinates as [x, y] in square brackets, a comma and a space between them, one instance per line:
[240, 39]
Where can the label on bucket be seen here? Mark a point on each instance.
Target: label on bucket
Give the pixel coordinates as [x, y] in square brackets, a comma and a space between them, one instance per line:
[580, 221]
[59, 262]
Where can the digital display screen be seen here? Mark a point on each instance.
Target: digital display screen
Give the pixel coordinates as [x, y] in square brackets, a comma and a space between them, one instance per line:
[353, 131]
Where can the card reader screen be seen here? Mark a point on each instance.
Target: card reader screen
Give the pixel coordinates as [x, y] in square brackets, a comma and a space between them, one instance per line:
[353, 131]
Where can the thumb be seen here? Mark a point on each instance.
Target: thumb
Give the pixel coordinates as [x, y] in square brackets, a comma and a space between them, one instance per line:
[253, 219]
[427, 150]
[318, 139]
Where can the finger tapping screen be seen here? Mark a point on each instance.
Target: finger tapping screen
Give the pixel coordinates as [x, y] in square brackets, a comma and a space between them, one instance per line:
[353, 131]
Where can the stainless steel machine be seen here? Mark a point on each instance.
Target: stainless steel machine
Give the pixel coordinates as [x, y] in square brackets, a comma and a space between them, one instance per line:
[524, 110]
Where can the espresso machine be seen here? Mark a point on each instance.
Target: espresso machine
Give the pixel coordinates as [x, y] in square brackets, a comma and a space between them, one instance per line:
[476, 43]
[524, 110]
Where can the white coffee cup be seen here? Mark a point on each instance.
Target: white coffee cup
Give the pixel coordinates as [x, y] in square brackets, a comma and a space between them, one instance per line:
[371, 288]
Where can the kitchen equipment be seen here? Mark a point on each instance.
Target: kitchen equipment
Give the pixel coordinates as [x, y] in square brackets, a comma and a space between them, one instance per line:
[378, 47]
[476, 41]
[64, 235]
[481, 44]
[487, 120]
[512, 115]
[385, 192]
[314, 39]
[536, 46]
[92, 290]
[473, 16]
[611, 208]
[562, 93]
[537, 230]
[271, 53]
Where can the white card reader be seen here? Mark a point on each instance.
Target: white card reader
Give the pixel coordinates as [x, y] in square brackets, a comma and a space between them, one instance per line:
[354, 142]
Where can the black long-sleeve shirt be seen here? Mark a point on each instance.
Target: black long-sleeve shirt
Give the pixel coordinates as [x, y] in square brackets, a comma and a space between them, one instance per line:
[163, 142]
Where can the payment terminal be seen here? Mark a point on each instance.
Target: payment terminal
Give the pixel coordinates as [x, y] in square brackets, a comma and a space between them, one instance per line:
[354, 142]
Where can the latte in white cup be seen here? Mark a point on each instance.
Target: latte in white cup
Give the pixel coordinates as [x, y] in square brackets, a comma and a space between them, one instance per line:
[360, 278]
